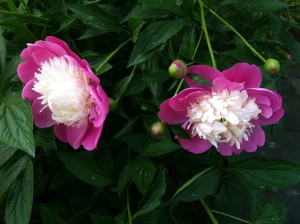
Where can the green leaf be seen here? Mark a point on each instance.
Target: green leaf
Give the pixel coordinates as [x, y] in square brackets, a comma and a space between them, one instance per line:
[11, 170]
[188, 44]
[273, 212]
[102, 219]
[6, 153]
[169, 5]
[66, 24]
[292, 45]
[95, 17]
[2, 50]
[135, 25]
[200, 186]
[155, 35]
[121, 87]
[160, 148]
[16, 122]
[257, 6]
[153, 196]
[265, 173]
[19, 201]
[85, 169]
[126, 128]
[179, 131]
[50, 217]
[8, 73]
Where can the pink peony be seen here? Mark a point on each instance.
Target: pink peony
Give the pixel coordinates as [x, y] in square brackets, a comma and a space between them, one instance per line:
[228, 114]
[64, 92]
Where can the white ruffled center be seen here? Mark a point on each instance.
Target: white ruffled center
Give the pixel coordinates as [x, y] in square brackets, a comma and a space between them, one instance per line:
[64, 89]
[223, 116]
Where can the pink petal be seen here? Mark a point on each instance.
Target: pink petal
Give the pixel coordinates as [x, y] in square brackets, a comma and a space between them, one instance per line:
[61, 132]
[75, 135]
[195, 145]
[249, 75]
[266, 111]
[41, 56]
[52, 47]
[28, 93]
[25, 55]
[170, 116]
[222, 83]
[226, 150]
[276, 116]
[42, 117]
[26, 71]
[258, 135]
[91, 137]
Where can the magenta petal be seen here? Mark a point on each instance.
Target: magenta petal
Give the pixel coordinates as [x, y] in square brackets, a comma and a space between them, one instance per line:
[61, 132]
[42, 117]
[258, 135]
[90, 139]
[249, 75]
[206, 72]
[28, 93]
[248, 146]
[75, 135]
[170, 116]
[195, 145]
[41, 56]
[276, 116]
[26, 71]
[225, 150]
[266, 111]
[25, 55]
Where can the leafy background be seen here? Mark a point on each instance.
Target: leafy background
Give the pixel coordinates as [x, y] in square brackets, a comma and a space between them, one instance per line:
[134, 177]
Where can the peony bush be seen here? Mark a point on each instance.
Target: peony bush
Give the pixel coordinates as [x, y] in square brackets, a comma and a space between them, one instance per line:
[186, 125]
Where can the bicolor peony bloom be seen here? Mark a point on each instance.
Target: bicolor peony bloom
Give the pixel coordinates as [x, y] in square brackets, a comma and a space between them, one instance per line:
[228, 114]
[64, 92]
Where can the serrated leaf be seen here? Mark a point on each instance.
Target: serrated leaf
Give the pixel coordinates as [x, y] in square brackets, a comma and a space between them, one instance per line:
[153, 196]
[155, 35]
[265, 173]
[95, 17]
[19, 201]
[50, 217]
[135, 25]
[16, 122]
[160, 148]
[11, 170]
[169, 5]
[200, 186]
[85, 169]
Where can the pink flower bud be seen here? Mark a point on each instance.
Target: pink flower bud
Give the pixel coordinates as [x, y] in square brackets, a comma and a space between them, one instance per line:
[158, 129]
[178, 69]
[272, 66]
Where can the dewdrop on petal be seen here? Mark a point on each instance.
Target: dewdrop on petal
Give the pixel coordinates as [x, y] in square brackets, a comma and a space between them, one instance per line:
[158, 129]
[178, 69]
[272, 66]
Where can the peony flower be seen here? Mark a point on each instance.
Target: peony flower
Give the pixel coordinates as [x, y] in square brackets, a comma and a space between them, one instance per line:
[64, 92]
[228, 114]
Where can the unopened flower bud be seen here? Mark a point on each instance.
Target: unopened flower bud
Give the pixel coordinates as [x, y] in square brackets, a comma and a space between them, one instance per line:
[178, 69]
[158, 128]
[272, 66]
[113, 104]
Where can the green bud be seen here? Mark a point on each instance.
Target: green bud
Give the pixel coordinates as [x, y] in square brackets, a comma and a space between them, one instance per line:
[272, 66]
[178, 69]
[158, 129]
[113, 104]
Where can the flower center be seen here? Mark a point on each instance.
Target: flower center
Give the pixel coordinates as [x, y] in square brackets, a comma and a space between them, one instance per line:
[64, 89]
[223, 116]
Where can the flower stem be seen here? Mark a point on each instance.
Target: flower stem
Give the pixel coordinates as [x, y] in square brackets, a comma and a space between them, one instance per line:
[101, 66]
[179, 86]
[231, 216]
[204, 27]
[128, 207]
[198, 44]
[239, 35]
[210, 214]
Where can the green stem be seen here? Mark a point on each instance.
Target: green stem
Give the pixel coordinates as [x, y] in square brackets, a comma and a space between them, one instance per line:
[101, 66]
[128, 206]
[239, 35]
[179, 86]
[204, 27]
[198, 44]
[210, 214]
[65, 8]
[231, 216]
